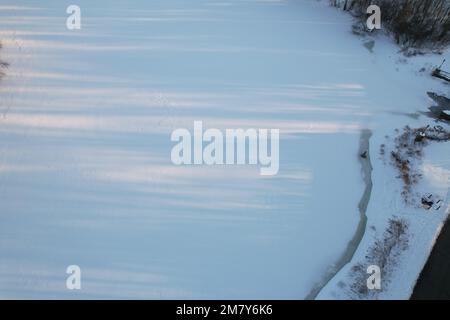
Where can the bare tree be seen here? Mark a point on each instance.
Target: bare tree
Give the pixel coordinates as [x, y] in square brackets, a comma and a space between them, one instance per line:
[414, 23]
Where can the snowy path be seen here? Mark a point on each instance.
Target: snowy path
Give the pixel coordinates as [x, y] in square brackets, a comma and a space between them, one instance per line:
[86, 117]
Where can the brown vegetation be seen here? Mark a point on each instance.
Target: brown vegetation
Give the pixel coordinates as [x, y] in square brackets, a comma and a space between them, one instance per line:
[408, 148]
[384, 254]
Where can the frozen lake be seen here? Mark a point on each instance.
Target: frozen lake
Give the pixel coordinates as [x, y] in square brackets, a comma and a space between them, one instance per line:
[85, 170]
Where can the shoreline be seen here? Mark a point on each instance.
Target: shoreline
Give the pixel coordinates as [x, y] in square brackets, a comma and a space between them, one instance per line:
[353, 244]
[433, 281]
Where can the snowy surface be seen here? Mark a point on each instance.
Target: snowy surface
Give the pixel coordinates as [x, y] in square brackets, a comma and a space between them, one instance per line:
[85, 170]
[386, 200]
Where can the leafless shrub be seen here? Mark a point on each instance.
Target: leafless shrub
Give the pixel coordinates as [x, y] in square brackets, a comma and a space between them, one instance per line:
[384, 253]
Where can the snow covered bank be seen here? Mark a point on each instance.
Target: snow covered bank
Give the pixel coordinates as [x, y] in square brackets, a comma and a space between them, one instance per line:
[400, 252]
[366, 166]
[401, 229]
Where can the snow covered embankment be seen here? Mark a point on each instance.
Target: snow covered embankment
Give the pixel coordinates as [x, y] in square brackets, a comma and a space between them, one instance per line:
[409, 204]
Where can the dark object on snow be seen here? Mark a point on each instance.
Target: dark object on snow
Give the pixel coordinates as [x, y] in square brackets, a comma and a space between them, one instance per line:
[363, 155]
[439, 114]
[444, 116]
[438, 203]
[419, 137]
[442, 110]
[438, 73]
[427, 203]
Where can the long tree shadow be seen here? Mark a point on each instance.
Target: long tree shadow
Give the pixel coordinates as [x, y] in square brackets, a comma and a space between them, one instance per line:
[3, 64]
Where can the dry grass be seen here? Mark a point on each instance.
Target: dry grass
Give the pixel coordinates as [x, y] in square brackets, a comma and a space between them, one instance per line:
[384, 253]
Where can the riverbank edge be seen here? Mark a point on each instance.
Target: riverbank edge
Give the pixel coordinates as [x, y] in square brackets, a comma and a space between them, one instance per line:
[352, 246]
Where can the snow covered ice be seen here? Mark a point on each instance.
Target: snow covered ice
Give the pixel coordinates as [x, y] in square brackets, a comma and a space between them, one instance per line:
[86, 176]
